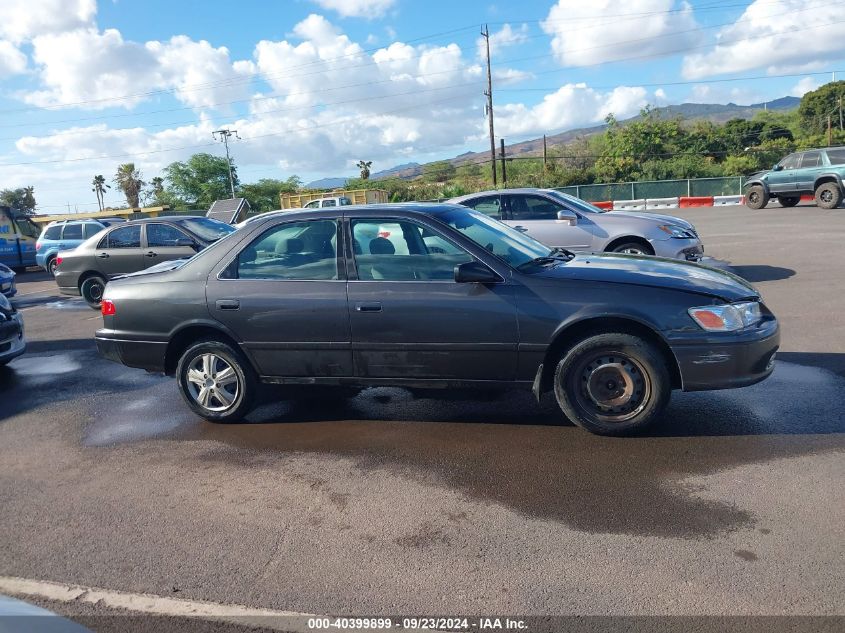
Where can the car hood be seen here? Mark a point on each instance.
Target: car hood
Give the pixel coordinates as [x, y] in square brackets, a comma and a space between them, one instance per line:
[654, 217]
[656, 272]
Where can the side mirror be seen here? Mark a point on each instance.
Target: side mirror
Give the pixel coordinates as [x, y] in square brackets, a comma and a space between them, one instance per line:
[565, 215]
[189, 243]
[475, 273]
[777, 168]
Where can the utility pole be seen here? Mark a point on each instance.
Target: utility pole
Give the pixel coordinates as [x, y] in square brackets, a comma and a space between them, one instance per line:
[544, 153]
[504, 170]
[840, 114]
[829, 132]
[224, 138]
[489, 94]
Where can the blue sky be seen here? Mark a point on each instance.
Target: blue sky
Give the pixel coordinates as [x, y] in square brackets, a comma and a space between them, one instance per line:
[315, 85]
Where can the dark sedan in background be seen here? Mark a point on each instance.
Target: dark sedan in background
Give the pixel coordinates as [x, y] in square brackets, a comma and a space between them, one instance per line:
[436, 296]
[130, 247]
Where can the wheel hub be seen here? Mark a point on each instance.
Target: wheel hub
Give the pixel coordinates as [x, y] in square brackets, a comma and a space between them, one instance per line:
[613, 386]
[610, 385]
[212, 382]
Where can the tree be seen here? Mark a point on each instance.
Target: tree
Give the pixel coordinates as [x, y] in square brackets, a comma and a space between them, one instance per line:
[200, 180]
[128, 180]
[99, 189]
[364, 166]
[818, 105]
[264, 194]
[438, 171]
[21, 199]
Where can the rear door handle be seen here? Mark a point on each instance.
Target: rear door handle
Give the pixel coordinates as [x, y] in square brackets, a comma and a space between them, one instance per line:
[102, 255]
[521, 229]
[228, 304]
[368, 307]
[150, 254]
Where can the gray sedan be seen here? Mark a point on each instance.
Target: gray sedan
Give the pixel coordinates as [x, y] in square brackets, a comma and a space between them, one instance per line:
[557, 219]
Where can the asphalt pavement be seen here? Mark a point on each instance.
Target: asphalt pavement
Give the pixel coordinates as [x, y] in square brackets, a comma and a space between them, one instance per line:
[384, 503]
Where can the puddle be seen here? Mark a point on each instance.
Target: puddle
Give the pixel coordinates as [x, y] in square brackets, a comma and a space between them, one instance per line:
[51, 365]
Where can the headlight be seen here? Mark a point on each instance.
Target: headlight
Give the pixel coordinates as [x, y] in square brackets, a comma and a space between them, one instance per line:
[728, 317]
[677, 231]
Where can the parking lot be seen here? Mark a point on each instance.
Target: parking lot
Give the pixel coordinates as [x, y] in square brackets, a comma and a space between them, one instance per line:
[487, 504]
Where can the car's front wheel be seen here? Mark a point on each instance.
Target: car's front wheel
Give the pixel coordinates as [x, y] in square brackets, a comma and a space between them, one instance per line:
[757, 197]
[828, 195]
[92, 290]
[633, 248]
[216, 381]
[789, 201]
[612, 384]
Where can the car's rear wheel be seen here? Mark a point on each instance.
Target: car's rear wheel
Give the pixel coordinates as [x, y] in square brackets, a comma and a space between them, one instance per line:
[612, 384]
[216, 381]
[757, 197]
[633, 248]
[828, 195]
[789, 201]
[51, 266]
[92, 290]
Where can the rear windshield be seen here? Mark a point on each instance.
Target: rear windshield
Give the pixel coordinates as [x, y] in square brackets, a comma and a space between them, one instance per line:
[207, 229]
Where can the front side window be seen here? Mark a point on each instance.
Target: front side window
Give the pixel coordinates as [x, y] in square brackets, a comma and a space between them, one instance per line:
[330, 203]
[400, 250]
[811, 159]
[124, 237]
[27, 227]
[521, 207]
[488, 205]
[312, 205]
[791, 162]
[304, 251]
[162, 235]
[72, 232]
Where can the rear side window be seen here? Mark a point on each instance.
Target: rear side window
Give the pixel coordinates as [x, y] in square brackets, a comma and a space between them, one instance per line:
[53, 233]
[811, 159]
[836, 156]
[304, 251]
[124, 237]
[72, 232]
[90, 229]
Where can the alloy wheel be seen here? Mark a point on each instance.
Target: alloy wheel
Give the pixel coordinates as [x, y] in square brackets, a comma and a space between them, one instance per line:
[212, 382]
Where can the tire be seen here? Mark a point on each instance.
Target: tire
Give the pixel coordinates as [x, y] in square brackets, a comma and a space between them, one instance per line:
[789, 201]
[92, 291]
[633, 248]
[757, 197]
[828, 195]
[616, 366]
[198, 373]
[51, 266]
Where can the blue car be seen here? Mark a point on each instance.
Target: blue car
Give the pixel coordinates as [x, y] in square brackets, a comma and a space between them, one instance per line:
[7, 281]
[64, 236]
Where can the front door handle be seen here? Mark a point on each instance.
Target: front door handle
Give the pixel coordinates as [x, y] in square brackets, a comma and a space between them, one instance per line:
[521, 229]
[150, 254]
[228, 304]
[368, 307]
[103, 255]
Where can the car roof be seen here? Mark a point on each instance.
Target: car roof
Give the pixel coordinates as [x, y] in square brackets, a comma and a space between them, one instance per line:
[166, 218]
[493, 192]
[407, 209]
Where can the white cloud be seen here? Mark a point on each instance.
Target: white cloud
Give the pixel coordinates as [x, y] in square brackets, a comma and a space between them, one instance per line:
[24, 19]
[501, 39]
[588, 33]
[780, 35]
[704, 93]
[12, 61]
[357, 8]
[805, 85]
[572, 105]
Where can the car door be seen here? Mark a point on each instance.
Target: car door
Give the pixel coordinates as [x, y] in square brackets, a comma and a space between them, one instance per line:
[410, 318]
[812, 166]
[119, 251]
[783, 179]
[537, 215]
[284, 295]
[162, 243]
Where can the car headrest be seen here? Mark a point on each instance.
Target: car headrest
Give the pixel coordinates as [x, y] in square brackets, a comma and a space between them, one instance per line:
[382, 246]
[292, 245]
[248, 255]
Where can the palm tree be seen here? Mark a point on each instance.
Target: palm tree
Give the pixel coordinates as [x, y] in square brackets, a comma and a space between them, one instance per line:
[364, 166]
[100, 187]
[128, 180]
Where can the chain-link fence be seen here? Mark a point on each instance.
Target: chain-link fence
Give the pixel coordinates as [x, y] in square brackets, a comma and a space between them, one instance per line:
[731, 186]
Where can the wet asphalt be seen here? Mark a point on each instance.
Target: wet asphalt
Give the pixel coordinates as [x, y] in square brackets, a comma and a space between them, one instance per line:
[387, 503]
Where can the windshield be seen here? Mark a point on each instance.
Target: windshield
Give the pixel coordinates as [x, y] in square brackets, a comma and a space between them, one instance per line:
[580, 205]
[207, 229]
[499, 239]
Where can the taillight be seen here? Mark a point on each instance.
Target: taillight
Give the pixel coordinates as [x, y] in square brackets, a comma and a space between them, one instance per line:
[58, 260]
[38, 246]
[107, 307]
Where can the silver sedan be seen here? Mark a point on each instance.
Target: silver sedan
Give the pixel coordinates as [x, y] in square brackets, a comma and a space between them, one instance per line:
[558, 219]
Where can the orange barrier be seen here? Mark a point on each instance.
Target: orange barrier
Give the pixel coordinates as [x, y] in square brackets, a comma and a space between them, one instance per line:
[808, 197]
[695, 201]
[603, 205]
